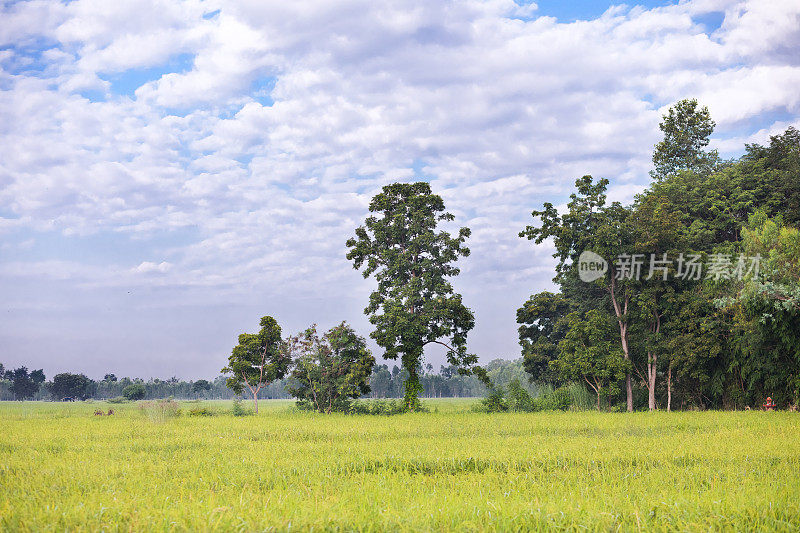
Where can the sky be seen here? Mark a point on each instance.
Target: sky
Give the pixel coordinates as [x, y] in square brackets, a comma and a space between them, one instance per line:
[172, 171]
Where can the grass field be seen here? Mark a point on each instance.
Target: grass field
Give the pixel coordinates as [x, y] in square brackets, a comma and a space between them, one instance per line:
[61, 468]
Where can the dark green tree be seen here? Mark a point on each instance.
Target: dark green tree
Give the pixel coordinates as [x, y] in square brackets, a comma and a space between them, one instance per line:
[590, 353]
[134, 391]
[686, 131]
[258, 360]
[331, 370]
[25, 385]
[110, 378]
[542, 326]
[66, 385]
[414, 304]
[201, 385]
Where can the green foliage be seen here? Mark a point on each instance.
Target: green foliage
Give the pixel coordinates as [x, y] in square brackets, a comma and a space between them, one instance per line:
[589, 352]
[494, 402]
[561, 399]
[201, 385]
[379, 407]
[686, 131]
[518, 398]
[117, 399]
[201, 411]
[75, 386]
[332, 370]
[414, 304]
[238, 409]
[134, 391]
[24, 385]
[258, 359]
[542, 328]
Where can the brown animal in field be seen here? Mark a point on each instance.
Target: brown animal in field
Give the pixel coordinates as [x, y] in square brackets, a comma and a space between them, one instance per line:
[110, 412]
[98, 412]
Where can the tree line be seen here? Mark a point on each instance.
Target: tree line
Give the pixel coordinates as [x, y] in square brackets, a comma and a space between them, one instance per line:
[386, 382]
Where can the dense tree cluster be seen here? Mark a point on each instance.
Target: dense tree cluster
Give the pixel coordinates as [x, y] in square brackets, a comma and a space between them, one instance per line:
[712, 316]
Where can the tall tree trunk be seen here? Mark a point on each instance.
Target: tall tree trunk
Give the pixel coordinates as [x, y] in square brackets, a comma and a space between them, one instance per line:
[255, 400]
[652, 364]
[622, 320]
[669, 387]
[651, 380]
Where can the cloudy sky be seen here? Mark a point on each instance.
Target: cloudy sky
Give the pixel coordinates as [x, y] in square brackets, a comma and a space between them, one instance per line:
[172, 171]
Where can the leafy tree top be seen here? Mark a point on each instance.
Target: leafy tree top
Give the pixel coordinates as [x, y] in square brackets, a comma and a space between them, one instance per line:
[414, 303]
[258, 359]
[686, 129]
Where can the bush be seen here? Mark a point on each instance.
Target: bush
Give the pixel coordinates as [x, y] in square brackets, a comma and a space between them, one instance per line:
[378, 407]
[494, 402]
[134, 391]
[559, 400]
[518, 398]
[201, 411]
[118, 399]
[160, 410]
[238, 409]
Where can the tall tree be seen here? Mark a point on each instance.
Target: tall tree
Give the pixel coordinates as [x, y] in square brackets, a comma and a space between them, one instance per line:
[591, 225]
[686, 131]
[258, 360]
[414, 304]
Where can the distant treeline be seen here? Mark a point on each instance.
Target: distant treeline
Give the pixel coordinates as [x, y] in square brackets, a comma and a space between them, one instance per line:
[385, 382]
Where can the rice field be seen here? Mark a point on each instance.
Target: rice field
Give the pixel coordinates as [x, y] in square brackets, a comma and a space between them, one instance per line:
[63, 468]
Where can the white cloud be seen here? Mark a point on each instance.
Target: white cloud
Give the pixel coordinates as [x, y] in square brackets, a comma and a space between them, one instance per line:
[251, 198]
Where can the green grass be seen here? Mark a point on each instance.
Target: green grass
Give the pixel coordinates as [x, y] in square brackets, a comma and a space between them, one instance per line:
[61, 468]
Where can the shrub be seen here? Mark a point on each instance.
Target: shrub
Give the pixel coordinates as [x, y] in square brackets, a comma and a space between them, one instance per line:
[160, 410]
[238, 409]
[134, 391]
[378, 407]
[117, 399]
[201, 411]
[559, 400]
[494, 402]
[518, 398]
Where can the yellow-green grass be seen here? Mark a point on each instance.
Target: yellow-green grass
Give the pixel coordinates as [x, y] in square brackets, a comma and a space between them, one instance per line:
[62, 468]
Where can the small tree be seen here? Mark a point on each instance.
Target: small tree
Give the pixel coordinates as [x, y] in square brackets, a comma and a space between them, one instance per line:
[258, 360]
[332, 370]
[134, 391]
[589, 353]
[414, 304]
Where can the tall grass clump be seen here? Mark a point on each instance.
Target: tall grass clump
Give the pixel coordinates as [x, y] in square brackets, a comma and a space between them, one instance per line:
[159, 411]
[517, 399]
[240, 410]
[378, 407]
